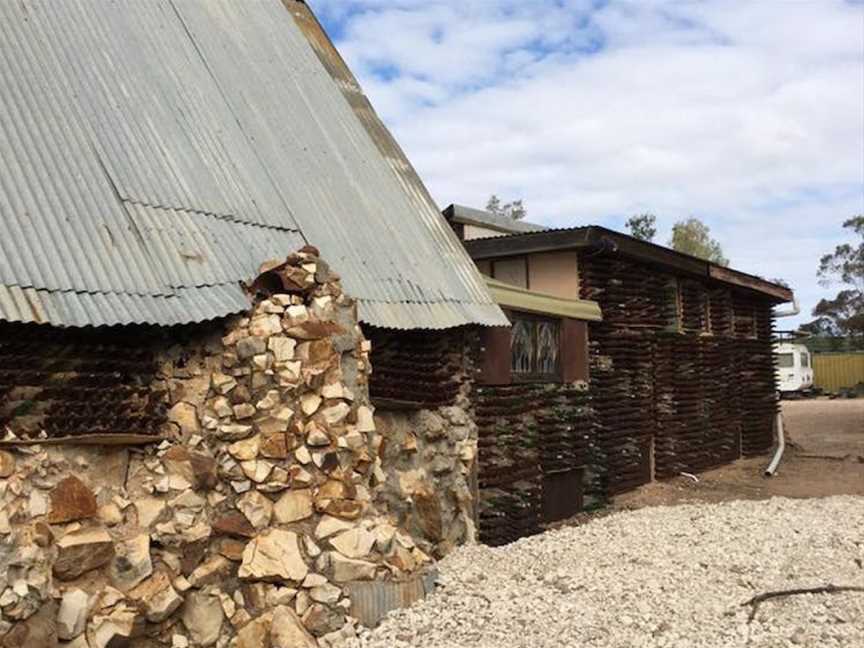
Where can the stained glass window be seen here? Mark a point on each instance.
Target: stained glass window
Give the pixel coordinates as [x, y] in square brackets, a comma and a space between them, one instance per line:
[535, 347]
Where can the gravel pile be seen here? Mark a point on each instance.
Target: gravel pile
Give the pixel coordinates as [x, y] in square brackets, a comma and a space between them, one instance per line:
[655, 577]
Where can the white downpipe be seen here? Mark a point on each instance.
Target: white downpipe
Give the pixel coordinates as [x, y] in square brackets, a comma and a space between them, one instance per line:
[781, 437]
[781, 447]
[792, 312]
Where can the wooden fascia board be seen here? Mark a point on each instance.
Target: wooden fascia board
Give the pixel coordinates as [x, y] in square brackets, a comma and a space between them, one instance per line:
[593, 236]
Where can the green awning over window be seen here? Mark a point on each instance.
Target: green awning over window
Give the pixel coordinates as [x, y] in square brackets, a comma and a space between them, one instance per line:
[509, 296]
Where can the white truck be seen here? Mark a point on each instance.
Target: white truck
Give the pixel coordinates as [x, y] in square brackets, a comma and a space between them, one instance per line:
[794, 368]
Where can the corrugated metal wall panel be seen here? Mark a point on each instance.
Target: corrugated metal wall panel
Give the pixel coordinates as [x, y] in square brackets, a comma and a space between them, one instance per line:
[372, 601]
[835, 371]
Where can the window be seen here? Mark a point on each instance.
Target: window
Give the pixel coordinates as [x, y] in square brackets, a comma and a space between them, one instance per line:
[513, 271]
[786, 360]
[535, 347]
[805, 360]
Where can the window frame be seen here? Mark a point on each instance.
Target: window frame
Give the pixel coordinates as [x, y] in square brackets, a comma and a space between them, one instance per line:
[790, 355]
[537, 376]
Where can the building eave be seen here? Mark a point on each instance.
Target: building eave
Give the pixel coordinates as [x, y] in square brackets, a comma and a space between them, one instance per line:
[599, 239]
[468, 216]
[510, 296]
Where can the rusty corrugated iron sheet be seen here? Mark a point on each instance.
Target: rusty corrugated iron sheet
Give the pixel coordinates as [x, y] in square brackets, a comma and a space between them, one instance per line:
[154, 153]
[373, 600]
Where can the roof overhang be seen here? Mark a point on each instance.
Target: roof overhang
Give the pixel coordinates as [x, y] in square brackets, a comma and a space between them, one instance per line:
[743, 280]
[601, 239]
[480, 218]
[509, 296]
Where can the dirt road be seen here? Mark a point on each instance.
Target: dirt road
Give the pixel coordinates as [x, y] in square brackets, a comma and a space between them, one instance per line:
[831, 428]
[826, 458]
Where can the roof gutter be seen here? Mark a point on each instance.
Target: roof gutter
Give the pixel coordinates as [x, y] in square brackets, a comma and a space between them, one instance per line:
[794, 310]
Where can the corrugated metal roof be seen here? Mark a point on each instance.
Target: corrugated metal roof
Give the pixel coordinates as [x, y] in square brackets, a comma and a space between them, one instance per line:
[438, 315]
[450, 249]
[154, 153]
[81, 309]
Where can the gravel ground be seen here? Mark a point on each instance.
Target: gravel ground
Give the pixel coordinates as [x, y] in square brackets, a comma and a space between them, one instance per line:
[666, 576]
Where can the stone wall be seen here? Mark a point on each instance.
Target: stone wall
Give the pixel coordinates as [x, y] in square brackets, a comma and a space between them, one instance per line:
[422, 386]
[430, 462]
[247, 524]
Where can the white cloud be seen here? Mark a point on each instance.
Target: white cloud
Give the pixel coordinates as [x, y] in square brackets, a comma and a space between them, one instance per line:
[747, 114]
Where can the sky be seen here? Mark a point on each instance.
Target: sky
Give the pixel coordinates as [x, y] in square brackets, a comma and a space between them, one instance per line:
[746, 114]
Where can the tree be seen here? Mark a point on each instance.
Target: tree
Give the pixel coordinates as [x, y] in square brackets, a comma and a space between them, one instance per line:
[693, 237]
[493, 205]
[515, 210]
[843, 315]
[643, 226]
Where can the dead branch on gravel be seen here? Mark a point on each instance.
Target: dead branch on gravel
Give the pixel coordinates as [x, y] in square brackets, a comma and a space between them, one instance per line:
[759, 599]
